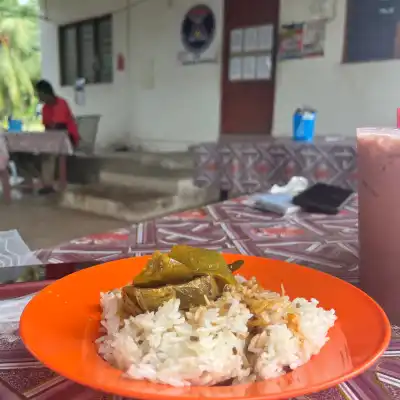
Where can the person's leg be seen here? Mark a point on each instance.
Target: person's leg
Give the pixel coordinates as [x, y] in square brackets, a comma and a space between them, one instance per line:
[27, 165]
[5, 182]
[48, 173]
[61, 172]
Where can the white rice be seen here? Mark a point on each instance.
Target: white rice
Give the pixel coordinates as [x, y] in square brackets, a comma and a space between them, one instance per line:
[209, 346]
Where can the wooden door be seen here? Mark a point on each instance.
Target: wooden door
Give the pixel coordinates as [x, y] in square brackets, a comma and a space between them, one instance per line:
[247, 104]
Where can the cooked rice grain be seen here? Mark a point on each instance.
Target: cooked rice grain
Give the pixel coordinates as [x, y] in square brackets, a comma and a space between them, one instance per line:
[215, 343]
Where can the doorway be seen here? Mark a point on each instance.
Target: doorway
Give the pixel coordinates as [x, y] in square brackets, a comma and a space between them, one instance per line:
[248, 66]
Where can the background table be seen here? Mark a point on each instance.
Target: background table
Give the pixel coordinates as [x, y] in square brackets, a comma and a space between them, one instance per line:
[249, 164]
[328, 243]
[49, 142]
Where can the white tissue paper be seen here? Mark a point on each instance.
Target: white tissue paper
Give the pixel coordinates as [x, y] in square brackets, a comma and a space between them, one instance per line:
[279, 198]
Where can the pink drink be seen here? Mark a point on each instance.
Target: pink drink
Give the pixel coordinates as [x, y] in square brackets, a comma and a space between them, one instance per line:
[379, 216]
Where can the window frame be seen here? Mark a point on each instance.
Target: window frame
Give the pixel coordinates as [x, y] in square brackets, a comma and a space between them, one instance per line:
[77, 25]
[345, 49]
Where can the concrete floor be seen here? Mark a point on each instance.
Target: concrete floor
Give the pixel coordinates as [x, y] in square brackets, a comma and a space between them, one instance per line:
[42, 224]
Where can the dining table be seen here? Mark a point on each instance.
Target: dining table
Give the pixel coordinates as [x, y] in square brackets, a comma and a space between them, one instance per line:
[243, 164]
[49, 142]
[324, 242]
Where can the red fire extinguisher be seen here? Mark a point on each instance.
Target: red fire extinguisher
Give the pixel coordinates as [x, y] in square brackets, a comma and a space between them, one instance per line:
[120, 62]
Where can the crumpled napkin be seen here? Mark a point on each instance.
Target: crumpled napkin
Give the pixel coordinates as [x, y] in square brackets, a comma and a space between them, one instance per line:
[295, 186]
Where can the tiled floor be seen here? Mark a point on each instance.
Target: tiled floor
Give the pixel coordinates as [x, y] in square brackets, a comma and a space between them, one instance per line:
[42, 224]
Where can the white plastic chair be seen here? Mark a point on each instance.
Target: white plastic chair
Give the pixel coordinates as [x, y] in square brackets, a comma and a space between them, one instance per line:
[87, 128]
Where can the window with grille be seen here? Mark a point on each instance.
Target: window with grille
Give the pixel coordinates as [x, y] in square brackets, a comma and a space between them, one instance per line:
[372, 30]
[86, 51]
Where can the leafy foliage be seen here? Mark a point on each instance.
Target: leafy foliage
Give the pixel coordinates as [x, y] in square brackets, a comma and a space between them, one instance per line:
[19, 55]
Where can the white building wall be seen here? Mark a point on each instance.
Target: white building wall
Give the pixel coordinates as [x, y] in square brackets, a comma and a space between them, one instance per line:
[160, 104]
[172, 105]
[108, 100]
[346, 96]
[156, 102]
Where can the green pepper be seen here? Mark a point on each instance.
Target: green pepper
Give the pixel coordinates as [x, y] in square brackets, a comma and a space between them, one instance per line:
[162, 270]
[190, 294]
[204, 262]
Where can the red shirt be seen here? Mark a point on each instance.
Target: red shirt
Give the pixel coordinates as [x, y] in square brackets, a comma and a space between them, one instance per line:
[60, 113]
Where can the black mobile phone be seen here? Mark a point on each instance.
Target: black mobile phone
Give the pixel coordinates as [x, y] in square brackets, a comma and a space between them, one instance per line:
[323, 198]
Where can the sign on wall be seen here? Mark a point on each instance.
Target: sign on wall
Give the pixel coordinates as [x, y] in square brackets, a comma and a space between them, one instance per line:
[302, 40]
[198, 29]
[197, 33]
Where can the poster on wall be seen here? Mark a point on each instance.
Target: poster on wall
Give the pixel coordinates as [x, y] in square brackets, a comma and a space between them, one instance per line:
[291, 41]
[197, 34]
[250, 39]
[249, 68]
[235, 69]
[264, 67]
[266, 37]
[302, 40]
[314, 38]
[236, 43]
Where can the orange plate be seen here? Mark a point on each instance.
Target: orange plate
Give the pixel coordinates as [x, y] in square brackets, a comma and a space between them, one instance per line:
[60, 324]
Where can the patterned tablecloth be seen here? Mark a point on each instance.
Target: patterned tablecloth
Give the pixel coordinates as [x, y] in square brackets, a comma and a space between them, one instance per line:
[324, 242]
[53, 142]
[254, 164]
[3, 153]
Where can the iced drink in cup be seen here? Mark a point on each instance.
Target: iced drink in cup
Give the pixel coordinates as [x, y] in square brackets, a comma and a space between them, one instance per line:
[379, 216]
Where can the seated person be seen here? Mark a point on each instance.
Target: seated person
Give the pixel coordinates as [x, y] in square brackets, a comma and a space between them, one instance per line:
[56, 115]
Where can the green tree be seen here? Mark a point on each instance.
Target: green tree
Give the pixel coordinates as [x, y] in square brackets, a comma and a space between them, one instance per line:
[19, 55]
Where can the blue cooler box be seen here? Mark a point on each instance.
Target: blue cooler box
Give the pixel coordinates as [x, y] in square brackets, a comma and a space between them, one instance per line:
[304, 126]
[15, 125]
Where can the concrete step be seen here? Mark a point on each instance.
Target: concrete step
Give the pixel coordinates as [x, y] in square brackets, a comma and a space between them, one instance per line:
[121, 169]
[169, 160]
[153, 178]
[133, 186]
[127, 203]
[127, 166]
